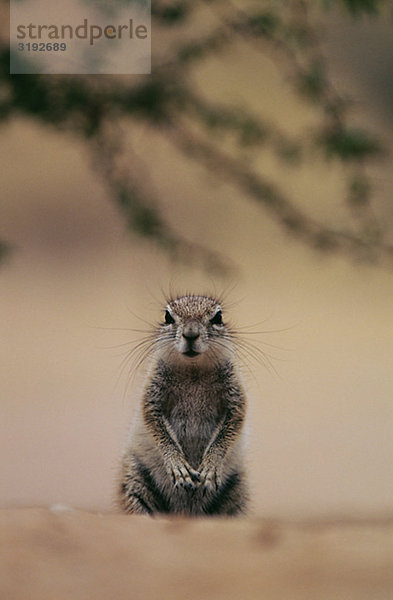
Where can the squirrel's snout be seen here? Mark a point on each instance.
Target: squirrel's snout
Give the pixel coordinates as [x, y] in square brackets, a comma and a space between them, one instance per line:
[191, 331]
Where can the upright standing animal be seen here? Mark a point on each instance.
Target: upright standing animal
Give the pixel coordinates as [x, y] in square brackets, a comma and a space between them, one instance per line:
[185, 453]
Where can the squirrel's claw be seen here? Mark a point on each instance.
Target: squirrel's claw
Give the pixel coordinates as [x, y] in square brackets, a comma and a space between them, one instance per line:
[210, 478]
[184, 476]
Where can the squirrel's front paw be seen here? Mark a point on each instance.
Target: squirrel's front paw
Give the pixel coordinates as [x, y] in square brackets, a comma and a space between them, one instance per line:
[211, 477]
[183, 475]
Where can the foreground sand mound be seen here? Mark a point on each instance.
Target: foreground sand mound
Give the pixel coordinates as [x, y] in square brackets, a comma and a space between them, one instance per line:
[46, 555]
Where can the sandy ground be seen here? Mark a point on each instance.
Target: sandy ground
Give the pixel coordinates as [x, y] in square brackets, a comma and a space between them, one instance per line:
[48, 554]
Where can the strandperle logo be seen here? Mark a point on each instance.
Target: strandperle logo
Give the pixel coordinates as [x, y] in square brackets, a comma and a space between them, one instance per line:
[80, 36]
[85, 31]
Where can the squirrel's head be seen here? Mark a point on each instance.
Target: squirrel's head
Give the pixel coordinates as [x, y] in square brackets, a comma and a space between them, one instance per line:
[194, 332]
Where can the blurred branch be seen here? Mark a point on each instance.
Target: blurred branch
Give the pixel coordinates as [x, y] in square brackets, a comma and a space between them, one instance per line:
[358, 7]
[140, 212]
[368, 245]
[4, 251]
[171, 14]
[248, 129]
[94, 108]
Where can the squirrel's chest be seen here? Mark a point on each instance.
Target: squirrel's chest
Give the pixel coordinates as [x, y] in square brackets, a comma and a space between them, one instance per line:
[193, 412]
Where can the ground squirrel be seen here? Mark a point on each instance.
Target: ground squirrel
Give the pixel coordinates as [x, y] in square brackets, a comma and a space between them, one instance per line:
[185, 453]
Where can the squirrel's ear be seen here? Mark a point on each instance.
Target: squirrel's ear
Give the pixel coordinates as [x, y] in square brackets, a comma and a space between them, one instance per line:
[169, 320]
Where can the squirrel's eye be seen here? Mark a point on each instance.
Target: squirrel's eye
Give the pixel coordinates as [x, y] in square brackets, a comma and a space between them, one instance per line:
[169, 320]
[217, 319]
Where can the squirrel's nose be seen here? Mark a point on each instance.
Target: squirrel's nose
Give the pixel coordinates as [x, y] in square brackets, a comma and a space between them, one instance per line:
[191, 331]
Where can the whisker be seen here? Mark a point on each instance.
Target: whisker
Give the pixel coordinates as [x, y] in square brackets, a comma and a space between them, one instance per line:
[254, 348]
[244, 338]
[130, 343]
[132, 357]
[151, 330]
[261, 357]
[260, 351]
[138, 317]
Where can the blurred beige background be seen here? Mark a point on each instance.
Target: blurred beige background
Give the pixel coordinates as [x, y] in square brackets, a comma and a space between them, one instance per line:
[321, 438]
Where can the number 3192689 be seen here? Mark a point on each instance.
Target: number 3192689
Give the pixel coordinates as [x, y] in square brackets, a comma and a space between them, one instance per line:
[42, 47]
